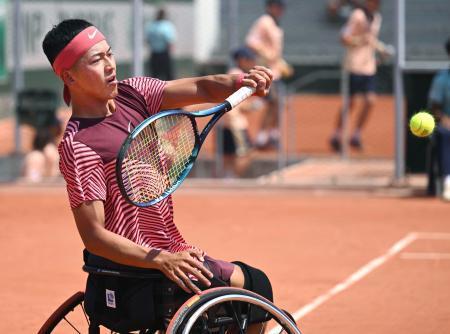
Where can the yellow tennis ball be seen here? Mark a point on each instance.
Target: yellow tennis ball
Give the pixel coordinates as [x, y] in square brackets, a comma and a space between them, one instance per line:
[422, 124]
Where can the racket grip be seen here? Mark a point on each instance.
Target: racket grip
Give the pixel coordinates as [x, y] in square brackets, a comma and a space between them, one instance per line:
[240, 95]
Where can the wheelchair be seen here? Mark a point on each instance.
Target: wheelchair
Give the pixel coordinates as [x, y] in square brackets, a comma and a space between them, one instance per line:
[216, 310]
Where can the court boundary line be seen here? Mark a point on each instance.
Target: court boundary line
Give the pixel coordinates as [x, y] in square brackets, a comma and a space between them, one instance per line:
[433, 235]
[361, 273]
[428, 255]
[419, 256]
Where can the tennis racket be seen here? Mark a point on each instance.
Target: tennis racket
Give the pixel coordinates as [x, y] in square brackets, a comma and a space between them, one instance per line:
[159, 153]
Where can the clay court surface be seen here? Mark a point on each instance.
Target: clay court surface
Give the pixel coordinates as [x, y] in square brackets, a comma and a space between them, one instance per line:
[348, 262]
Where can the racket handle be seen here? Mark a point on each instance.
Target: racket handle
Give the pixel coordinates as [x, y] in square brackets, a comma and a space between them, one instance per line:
[240, 95]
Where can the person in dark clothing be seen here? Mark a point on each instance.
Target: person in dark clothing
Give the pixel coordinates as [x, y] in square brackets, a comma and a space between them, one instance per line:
[161, 35]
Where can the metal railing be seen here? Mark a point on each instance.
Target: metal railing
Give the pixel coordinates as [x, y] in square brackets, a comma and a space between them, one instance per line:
[291, 89]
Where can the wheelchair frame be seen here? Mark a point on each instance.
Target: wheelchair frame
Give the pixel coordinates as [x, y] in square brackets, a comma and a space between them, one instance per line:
[199, 314]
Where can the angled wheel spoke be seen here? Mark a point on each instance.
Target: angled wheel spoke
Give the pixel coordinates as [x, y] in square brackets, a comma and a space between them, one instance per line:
[71, 325]
[236, 318]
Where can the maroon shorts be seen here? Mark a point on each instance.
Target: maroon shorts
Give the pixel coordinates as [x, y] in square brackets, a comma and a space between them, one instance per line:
[221, 270]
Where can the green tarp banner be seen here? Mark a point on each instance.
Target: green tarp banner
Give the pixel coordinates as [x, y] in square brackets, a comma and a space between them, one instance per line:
[3, 39]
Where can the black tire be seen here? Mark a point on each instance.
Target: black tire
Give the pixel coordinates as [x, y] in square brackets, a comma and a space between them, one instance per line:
[74, 304]
[194, 317]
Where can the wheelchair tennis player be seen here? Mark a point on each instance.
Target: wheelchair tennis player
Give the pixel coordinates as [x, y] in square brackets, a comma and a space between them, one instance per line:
[116, 234]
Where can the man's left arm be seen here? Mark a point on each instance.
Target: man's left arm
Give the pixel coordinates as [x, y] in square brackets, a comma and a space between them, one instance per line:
[213, 88]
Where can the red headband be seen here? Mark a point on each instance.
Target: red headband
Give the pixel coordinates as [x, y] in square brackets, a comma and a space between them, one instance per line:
[76, 48]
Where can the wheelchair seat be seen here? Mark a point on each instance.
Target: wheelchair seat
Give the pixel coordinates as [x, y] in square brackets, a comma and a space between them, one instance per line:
[124, 298]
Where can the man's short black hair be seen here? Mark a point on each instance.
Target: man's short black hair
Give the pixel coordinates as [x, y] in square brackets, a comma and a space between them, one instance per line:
[243, 52]
[447, 46]
[60, 35]
[281, 3]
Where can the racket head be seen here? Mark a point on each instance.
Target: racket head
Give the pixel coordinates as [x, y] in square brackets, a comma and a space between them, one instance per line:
[157, 156]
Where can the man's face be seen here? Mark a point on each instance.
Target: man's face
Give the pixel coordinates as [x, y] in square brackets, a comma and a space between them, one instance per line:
[372, 5]
[94, 74]
[275, 10]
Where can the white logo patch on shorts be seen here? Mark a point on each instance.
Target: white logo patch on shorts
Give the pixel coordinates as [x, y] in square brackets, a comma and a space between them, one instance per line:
[110, 298]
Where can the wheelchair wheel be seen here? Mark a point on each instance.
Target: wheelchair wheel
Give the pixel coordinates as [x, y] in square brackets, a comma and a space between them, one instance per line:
[224, 310]
[69, 317]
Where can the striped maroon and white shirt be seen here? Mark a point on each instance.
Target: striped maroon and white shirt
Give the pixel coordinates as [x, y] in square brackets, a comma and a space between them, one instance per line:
[88, 154]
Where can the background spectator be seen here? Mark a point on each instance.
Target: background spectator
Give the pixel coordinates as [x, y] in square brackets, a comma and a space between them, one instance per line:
[236, 140]
[360, 37]
[439, 97]
[43, 161]
[265, 38]
[161, 35]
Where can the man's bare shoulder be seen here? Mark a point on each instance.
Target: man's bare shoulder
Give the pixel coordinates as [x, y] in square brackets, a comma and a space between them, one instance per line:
[265, 20]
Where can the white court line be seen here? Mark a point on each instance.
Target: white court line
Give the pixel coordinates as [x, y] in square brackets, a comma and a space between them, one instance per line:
[425, 256]
[433, 236]
[352, 279]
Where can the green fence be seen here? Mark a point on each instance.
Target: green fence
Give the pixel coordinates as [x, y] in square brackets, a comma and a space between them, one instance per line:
[2, 40]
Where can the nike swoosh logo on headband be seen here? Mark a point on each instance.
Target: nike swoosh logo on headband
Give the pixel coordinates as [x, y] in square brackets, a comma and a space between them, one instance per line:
[92, 35]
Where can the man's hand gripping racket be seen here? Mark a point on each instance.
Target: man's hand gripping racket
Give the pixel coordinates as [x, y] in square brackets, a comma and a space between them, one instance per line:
[159, 154]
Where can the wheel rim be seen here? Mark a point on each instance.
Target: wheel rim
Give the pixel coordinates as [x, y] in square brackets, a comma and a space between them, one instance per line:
[283, 320]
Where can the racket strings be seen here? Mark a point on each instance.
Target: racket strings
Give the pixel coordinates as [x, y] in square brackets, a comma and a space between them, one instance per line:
[157, 157]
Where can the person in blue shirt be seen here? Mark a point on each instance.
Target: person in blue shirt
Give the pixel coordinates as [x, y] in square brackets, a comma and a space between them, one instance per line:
[439, 99]
[161, 35]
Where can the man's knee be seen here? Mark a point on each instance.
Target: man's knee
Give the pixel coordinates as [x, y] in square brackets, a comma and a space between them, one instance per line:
[256, 280]
[370, 99]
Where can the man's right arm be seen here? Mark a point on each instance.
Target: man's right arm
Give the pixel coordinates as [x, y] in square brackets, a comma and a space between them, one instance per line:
[89, 218]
